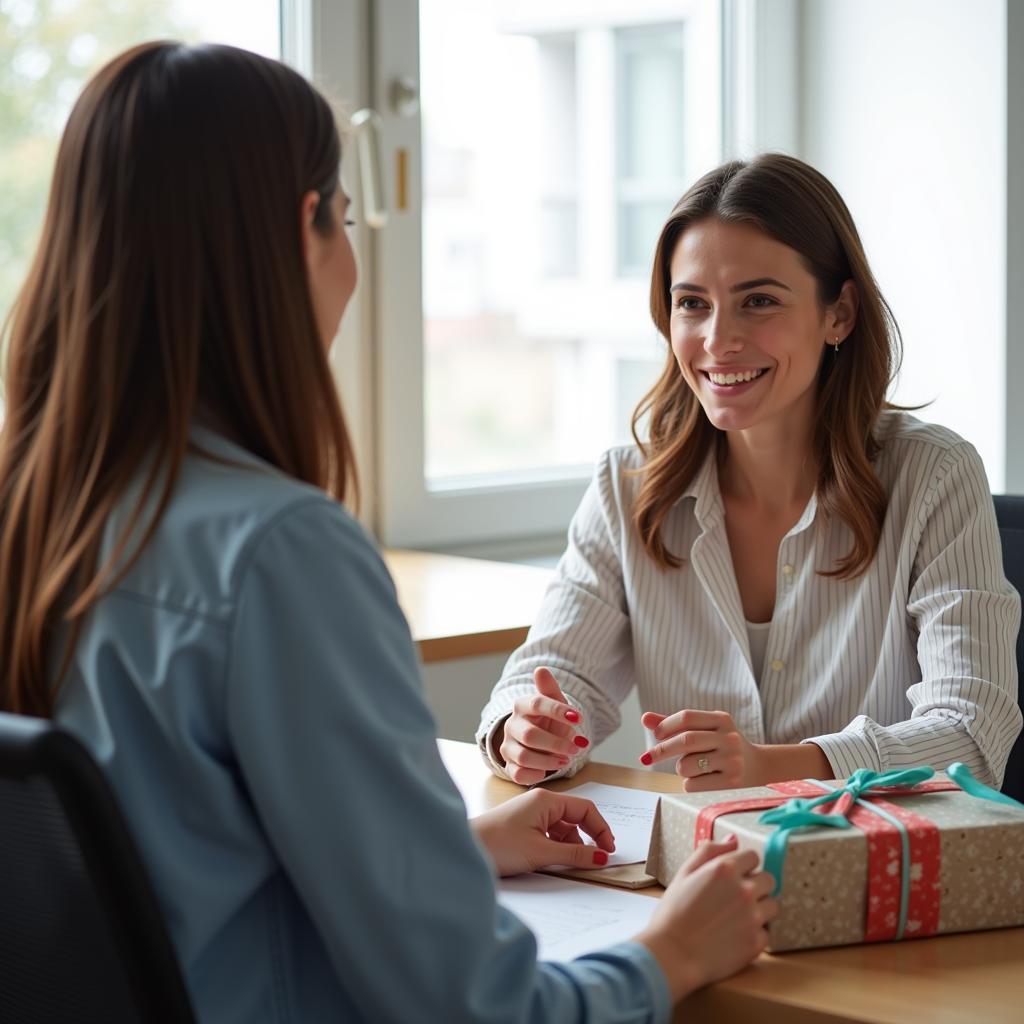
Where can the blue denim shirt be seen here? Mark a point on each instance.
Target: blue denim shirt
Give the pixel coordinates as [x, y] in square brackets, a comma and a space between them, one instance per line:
[251, 691]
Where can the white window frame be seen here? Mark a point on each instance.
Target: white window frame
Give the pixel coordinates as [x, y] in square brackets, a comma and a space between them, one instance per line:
[379, 356]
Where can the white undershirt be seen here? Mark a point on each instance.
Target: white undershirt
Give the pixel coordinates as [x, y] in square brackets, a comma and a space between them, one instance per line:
[757, 636]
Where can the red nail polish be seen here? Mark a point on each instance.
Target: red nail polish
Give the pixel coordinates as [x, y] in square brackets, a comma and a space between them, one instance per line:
[646, 758]
[581, 741]
[572, 716]
[600, 858]
[563, 760]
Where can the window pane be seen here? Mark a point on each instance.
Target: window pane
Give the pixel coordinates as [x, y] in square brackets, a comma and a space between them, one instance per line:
[553, 150]
[48, 49]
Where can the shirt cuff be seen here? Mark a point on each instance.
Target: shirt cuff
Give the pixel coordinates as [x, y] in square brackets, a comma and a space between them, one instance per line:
[643, 961]
[846, 752]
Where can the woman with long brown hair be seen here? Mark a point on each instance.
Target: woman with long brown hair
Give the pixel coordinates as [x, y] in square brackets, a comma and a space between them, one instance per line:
[800, 578]
[185, 592]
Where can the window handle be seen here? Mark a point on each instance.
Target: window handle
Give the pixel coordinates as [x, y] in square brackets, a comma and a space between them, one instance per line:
[366, 126]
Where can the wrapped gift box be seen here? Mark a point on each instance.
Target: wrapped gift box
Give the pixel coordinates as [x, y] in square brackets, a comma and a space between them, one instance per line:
[932, 859]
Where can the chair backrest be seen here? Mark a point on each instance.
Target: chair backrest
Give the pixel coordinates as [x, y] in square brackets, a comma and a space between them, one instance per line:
[82, 938]
[1010, 516]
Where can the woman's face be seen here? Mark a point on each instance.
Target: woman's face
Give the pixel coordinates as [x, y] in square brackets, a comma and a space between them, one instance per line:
[330, 264]
[746, 310]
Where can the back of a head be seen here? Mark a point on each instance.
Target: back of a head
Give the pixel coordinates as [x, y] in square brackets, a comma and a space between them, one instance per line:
[169, 285]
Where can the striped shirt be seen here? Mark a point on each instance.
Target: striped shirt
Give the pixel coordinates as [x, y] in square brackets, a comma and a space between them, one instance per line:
[911, 663]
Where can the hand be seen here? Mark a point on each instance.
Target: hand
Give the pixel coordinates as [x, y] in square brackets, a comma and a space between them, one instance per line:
[711, 920]
[541, 828]
[699, 738]
[538, 738]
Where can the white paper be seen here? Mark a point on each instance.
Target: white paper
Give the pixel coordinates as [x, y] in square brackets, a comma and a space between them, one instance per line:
[629, 813]
[572, 918]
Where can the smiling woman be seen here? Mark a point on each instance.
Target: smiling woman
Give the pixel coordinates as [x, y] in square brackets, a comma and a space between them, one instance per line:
[799, 578]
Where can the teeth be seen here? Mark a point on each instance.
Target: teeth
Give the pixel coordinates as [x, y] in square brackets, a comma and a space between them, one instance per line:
[734, 378]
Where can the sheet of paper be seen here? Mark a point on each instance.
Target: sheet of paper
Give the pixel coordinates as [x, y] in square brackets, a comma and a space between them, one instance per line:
[629, 812]
[572, 918]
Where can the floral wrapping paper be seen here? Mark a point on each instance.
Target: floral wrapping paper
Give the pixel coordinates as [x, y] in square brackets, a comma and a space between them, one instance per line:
[978, 882]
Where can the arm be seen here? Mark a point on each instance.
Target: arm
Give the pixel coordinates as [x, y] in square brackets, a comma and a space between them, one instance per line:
[338, 754]
[581, 634]
[967, 616]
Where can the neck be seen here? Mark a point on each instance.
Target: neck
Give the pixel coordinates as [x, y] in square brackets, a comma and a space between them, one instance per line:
[770, 468]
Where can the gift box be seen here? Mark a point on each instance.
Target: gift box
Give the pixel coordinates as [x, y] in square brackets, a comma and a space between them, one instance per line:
[880, 857]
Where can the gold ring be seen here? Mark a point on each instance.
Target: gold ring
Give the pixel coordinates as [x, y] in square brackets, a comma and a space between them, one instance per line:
[702, 764]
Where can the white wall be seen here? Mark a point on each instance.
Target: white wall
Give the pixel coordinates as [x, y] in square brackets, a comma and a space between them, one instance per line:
[904, 107]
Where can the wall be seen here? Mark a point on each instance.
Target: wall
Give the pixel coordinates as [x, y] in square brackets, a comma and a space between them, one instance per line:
[904, 106]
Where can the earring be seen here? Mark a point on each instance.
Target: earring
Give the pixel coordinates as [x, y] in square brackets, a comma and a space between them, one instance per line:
[835, 346]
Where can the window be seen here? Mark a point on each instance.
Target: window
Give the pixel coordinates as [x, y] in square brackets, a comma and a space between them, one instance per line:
[47, 52]
[552, 142]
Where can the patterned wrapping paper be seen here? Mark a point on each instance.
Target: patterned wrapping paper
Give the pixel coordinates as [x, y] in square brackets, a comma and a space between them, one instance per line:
[977, 884]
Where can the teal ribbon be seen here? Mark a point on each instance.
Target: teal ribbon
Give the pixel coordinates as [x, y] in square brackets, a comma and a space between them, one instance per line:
[799, 813]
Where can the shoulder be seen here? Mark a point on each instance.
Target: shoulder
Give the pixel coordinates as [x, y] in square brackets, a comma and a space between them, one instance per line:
[227, 514]
[918, 454]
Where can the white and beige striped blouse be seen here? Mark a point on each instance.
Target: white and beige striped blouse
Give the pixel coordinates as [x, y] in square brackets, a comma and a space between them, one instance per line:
[911, 663]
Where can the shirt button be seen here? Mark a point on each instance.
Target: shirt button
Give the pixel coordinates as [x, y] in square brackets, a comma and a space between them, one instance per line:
[788, 570]
[778, 666]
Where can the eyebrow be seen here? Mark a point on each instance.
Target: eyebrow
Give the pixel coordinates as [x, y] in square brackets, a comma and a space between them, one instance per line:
[760, 282]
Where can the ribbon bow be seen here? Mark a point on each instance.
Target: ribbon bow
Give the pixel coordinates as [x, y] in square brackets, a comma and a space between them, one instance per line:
[802, 812]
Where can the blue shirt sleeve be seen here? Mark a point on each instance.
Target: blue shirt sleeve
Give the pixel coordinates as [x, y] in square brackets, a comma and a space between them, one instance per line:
[338, 751]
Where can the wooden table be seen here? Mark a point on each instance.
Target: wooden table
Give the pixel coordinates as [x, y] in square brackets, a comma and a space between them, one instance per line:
[464, 607]
[976, 978]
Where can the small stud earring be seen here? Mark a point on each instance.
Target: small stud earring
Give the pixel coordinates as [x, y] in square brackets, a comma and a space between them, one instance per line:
[835, 347]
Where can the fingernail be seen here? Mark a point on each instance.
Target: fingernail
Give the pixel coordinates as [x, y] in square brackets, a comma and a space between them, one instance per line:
[600, 858]
[572, 716]
[562, 760]
[646, 758]
[581, 741]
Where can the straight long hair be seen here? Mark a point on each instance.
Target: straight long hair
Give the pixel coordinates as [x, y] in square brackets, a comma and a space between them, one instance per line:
[793, 203]
[169, 285]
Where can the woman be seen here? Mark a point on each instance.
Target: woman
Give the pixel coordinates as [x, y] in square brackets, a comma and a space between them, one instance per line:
[799, 578]
[184, 592]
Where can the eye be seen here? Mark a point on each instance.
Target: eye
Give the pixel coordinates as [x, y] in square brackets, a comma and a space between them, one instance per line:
[688, 302]
[350, 223]
[761, 301]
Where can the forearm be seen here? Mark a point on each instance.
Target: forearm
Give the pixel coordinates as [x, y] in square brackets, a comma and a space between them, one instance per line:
[780, 762]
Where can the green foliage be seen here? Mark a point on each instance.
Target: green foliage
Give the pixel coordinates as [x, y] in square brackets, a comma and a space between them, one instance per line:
[48, 49]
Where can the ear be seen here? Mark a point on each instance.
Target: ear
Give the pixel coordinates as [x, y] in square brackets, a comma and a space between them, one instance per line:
[841, 316]
[307, 210]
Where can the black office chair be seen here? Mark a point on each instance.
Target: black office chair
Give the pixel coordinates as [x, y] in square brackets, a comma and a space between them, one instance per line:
[1010, 516]
[82, 939]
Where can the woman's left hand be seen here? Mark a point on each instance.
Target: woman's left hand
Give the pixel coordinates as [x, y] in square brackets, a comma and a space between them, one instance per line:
[541, 828]
[711, 752]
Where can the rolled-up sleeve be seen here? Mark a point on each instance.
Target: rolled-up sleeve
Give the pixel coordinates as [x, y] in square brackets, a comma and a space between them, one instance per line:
[582, 630]
[966, 614]
[338, 752]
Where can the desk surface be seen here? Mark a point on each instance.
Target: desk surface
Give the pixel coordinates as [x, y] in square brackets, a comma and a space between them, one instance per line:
[949, 979]
[465, 607]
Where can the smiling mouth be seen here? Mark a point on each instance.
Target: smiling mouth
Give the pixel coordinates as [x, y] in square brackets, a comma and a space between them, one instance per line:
[727, 379]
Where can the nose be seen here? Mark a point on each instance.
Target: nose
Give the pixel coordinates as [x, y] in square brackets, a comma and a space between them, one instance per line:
[723, 336]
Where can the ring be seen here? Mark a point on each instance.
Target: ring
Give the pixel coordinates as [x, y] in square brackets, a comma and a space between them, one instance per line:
[702, 764]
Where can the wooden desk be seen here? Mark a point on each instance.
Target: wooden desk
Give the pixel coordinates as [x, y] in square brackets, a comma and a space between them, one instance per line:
[950, 979]
[464, 607]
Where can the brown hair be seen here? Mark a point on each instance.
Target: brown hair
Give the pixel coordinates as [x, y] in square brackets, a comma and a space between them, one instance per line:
[169, 282]
[796, 205]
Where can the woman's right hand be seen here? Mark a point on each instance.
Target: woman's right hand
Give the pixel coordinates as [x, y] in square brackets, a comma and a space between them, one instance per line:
[539, 736]
[711, 920]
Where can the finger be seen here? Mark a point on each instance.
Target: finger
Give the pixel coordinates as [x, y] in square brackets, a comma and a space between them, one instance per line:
[706, 783]
[651, 719]
[682, 744]
[762, 884]
[537, 705]
[515, 752]
[708, 850]
[524, 776]
[768, 909]
[548, 687]
[690, 720]
[537, 737]
[563, 832]
[743, 861]
[576, 856]
[585, 814]
[553, 726]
